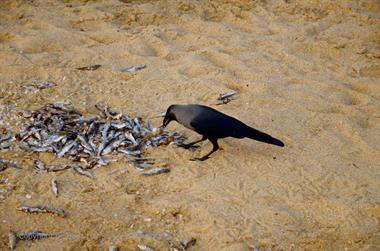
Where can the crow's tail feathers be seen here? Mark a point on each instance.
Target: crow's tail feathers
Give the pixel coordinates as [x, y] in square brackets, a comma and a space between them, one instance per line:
[263, 137]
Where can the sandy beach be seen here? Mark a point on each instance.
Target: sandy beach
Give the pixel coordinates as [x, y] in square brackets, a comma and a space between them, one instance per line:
[306, 72]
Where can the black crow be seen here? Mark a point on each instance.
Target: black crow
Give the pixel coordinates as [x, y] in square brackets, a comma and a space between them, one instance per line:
[213, 125]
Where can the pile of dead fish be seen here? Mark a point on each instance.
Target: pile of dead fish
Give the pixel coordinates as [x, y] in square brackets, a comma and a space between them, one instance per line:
[64, 131]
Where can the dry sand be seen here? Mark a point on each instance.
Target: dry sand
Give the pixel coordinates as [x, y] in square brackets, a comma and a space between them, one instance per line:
[306, 72]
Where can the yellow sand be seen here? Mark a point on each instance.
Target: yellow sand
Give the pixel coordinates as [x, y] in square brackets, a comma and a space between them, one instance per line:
[307, 72]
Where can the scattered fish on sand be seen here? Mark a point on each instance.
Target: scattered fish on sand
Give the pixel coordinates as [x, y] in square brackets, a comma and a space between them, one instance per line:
[89, 68]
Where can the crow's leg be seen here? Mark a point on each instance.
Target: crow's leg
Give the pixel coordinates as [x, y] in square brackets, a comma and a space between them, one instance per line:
[187, 146]
[214, 149]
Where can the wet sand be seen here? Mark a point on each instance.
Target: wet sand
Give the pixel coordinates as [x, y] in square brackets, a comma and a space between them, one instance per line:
[306, 72]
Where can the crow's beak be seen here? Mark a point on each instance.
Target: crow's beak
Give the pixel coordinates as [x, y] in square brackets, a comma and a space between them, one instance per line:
[166, 121]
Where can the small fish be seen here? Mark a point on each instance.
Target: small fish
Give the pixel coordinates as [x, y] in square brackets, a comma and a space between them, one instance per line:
[58, 168]
[111, 146]
[39, 165]
[226, 97]
[81, 171]
[101, 160]
[89, 68]
[36, 148]
[188, 243]
[25, 113]
[129, 152]
[107, 113]
[133, 69]
[5, 135]
[142, 159]
[12, 240]
[34, 236]
[43, 85]
[67, 148]
[113, 248]
[131, 138]
[144, 247]
[155, 171]
[5, 145]
[54, 138]
[54, 187]
[42, 209]
[4, 164]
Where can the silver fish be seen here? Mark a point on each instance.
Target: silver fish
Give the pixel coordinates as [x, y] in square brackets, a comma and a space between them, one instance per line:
[188, 243]
[111, 146]
[37, 148]
[103, 161]
[5, 145]
[42, 209]
[39, 165]
[54, 138]
[5, 137]
[131, 138]
[86, 145]
[57, 168]
[155, 171]
[144, 247]
[142, 159]
[67, 148]
[129, 152]
[226, 97]
[81, 171]
[134, 68]
[43, 85]
[4, 164]
[106, 111]
[54, 187]
[12, 240]
[34, 236]
[119, 125]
